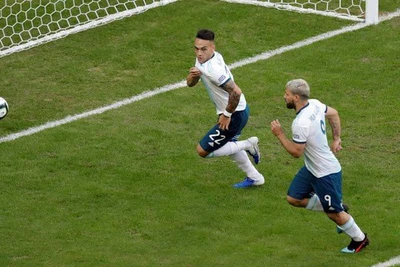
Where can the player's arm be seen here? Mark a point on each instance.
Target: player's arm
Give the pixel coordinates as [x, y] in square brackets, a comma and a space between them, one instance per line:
[294, 149]
[332, 115]
[234, 95]
[193, 77]
[233, 101]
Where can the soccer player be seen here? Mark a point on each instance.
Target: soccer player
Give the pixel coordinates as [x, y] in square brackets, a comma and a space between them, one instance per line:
[318, 185]
[231, 108]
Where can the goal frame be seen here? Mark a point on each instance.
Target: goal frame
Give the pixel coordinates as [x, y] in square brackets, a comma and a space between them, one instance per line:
[36, 41]
[371, 10]
[369, 16]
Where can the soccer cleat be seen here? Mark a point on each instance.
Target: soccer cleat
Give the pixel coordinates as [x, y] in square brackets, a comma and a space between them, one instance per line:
[254, 151]
[356, 246]
[247, 182]
[345, 209]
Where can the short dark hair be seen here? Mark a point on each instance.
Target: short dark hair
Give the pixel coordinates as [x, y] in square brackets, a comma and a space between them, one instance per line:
[205, 34]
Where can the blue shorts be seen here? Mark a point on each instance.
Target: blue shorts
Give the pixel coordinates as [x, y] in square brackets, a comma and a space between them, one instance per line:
[327, 188]
[216, 137]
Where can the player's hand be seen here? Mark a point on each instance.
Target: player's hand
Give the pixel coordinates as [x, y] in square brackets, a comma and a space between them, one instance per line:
[276, 127]
[193, 77]
[195, 72]
[336, 145]
[224, 122]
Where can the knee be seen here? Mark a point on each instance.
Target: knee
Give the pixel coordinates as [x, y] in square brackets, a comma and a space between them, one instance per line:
[201, 152]
[294, 202]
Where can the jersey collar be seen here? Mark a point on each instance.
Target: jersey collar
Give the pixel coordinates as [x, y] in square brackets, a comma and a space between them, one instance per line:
[306, 105]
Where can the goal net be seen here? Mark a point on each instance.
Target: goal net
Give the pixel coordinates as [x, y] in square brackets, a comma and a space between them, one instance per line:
[28, 23]
[356, 10]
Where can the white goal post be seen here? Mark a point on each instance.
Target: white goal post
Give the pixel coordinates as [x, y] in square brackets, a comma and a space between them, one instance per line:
[28, 23]
[356, 10]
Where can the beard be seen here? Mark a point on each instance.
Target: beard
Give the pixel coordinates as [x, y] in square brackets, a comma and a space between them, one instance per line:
[290, 105]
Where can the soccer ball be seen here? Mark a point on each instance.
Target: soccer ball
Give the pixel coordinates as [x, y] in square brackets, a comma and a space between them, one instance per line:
[3, 108]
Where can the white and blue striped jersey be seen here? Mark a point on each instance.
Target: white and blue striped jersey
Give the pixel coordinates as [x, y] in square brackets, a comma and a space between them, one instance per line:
[309, 127]
[214, 74]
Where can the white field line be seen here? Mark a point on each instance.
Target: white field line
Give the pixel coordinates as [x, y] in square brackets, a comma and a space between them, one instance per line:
[392, 262]
[181, 84]
[100, 110]
[84, 27]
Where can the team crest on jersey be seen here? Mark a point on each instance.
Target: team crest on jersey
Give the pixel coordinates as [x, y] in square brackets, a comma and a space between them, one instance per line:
[222, 78]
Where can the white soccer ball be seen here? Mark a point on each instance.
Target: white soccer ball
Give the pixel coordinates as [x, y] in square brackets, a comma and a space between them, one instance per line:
[3, 108]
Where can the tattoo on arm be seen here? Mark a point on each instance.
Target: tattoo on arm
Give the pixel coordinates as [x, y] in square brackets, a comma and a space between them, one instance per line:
[335, 125]
[334, 121]
[234, 95]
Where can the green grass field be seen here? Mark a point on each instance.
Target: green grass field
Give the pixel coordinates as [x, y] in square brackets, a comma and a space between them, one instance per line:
[126, 187]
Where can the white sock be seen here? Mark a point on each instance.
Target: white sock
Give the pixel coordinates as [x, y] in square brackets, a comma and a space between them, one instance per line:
[352, 230]
[231, 148]
[243, 162]
[314, 204]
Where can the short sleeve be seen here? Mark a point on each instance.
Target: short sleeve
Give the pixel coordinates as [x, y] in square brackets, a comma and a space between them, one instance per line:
[219, 73]
[300, 134]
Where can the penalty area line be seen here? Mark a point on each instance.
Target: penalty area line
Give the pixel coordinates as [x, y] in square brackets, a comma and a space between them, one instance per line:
[181, 84]
[100, 110]
[392, 262]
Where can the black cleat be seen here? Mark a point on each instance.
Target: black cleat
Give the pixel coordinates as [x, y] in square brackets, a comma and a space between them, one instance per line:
[356, 246]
